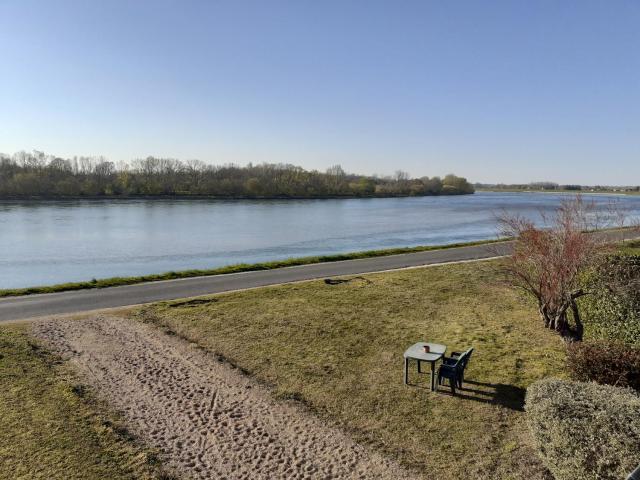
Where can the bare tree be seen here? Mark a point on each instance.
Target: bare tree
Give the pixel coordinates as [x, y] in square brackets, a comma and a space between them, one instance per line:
[401, 176]
[547, 262]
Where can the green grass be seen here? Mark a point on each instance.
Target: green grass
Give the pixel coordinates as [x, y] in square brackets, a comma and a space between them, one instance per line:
[52, 428]
[241, 267]
[338, 349]
[631, 247]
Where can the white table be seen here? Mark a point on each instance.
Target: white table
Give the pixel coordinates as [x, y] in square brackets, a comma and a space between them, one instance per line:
[416, 352]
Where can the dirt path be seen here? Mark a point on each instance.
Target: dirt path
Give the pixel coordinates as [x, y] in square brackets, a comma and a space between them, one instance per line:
[208, 419]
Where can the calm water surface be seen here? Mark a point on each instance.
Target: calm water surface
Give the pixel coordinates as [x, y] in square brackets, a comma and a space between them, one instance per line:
[53, 242]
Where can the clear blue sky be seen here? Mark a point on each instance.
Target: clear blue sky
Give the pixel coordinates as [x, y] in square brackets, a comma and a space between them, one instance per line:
[496, 91]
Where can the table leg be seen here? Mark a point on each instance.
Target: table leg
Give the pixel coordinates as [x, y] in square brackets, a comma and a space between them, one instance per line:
[419, 363]
[433, 376]
[406, 371]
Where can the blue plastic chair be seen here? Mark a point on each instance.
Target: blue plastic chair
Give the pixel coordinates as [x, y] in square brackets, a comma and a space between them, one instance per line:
[453, 368]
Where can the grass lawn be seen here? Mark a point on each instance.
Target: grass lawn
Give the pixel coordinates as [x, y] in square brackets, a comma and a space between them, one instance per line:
[51, 428]
[338, 348]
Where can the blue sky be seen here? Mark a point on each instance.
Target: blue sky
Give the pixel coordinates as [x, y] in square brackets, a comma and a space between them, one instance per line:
[495, 91]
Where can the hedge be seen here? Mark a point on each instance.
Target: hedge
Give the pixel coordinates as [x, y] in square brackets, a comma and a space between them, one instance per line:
[585, 431]
[611, 310]
[605, 362]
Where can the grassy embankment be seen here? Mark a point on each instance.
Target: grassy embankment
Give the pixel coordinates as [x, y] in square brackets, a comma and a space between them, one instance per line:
[52, 428]
[241, 267]
[338, 349]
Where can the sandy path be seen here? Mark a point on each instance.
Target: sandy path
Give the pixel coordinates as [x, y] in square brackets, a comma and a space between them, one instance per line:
[208, 419]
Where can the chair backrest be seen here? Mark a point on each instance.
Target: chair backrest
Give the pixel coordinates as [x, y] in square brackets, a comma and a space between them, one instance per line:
[461, 362]
[467, 357]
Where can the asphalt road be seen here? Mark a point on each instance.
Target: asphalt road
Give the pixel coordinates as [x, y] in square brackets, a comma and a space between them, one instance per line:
[31, 306]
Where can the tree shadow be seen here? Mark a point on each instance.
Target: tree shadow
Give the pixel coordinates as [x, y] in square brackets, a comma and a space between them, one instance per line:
[508, 396]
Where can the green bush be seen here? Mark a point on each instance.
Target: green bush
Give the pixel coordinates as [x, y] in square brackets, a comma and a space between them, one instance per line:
[585, 430]
[605, 362]
[611, 310]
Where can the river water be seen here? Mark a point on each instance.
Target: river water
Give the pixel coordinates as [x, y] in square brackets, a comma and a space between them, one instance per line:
[60, 241]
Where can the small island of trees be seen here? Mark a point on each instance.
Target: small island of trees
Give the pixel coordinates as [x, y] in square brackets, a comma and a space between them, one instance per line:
[33, 175]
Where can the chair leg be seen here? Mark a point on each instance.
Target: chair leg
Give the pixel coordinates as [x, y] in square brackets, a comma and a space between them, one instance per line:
[452, 382]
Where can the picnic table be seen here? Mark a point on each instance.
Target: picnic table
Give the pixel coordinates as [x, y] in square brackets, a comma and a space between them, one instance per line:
[416, 352]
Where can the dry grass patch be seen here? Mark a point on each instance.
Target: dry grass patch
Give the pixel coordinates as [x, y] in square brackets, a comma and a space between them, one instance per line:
[338, 348]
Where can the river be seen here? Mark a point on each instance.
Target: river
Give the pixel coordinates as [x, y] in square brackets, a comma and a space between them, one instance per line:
[47, 242]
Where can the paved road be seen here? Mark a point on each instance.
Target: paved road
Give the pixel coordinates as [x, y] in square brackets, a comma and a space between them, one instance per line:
[15, 308]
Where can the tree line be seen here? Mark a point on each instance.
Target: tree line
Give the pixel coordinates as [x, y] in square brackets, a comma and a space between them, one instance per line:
[552, 186]
[36, 174]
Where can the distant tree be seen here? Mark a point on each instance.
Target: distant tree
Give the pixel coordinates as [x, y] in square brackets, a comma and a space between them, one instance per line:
[253, 186]
[401, 176]
[336, 171]
[433, 186]
[365, 186]
[456, 184]
[544, 185]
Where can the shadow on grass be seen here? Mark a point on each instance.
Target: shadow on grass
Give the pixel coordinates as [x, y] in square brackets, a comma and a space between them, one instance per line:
[508, 396]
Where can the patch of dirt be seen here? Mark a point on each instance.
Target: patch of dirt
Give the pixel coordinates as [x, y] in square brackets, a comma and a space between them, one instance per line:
[208, 419]
[339, 281]
[196, 302]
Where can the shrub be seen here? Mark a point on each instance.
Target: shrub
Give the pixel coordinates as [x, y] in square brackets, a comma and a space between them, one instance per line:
[611, 310]
[584, 430]
[608, 363]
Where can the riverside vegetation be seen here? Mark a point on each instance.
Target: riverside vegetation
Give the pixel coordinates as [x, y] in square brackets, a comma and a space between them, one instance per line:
[564, 417]
[584, 289]
[24, 175]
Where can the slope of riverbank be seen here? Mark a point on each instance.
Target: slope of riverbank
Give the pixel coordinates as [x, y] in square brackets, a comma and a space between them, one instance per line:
[336, 347]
